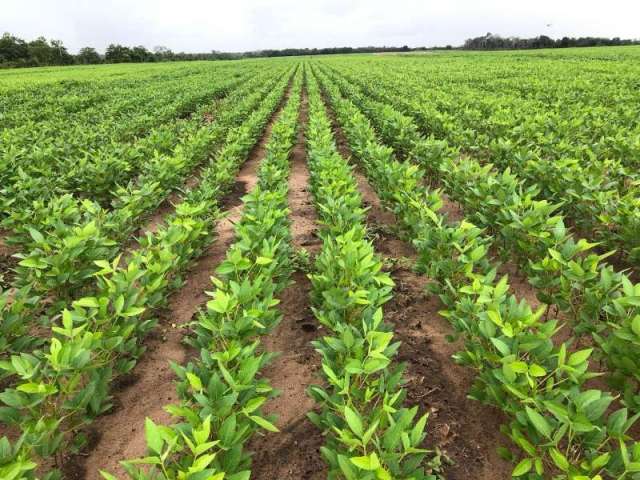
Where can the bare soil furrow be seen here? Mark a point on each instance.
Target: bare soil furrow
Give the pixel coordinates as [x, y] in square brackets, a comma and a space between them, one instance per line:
[293, 453]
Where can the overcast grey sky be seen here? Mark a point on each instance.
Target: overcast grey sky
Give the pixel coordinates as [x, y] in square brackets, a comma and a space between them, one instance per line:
[238, 25]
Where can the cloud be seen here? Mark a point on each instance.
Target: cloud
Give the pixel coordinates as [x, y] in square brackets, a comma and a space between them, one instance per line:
[237, 25]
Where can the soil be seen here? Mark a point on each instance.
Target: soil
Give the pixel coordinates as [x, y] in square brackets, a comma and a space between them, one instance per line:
[119, 435]
[5, 250]
[7, 265]
[452, 210]
[293, 453]
[7, 262]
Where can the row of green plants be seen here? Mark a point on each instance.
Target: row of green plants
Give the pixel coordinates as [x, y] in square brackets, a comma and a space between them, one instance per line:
[64, 238]
[221, 391]
[65, 385]
[42, 160]
[511, 102]
[560, 426]
[597, 191]
[81, 94]
[595, 298]
[132, 107]
[369, 433]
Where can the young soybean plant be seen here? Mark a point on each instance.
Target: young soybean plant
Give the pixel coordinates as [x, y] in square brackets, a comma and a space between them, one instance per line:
[597, 299]
[370, 435]
[222, 392]
[558, 425]
[67, 385]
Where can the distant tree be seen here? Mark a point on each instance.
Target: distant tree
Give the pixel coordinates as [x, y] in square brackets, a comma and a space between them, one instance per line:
[40, 51]
[43, 52]
[162, 54]
[495, 42]
[13, 49]
[88, 56]
[141, 54]
[60, 54]
[117, 54]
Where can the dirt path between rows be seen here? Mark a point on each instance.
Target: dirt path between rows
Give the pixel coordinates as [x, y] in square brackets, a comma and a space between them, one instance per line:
[466, 431]
[120, 435]
[293, 454]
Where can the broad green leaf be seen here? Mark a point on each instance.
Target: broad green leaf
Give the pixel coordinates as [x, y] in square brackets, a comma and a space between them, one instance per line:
[152, 434]
[523, 467]
[264, 423]
[539, 422]
[368, 463]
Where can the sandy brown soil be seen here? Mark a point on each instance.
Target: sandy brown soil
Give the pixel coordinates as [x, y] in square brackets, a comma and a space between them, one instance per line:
[7, 262]
[466, 431]
[5, 250]
[293, 453]
[120, 434]
[451, 209]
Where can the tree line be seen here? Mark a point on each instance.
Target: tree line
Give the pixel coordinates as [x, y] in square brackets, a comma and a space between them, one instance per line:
[16, 52]
[496, 42]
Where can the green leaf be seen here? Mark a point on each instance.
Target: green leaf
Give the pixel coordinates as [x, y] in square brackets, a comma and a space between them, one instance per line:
[194, 381]
[559, 459]
[152, 433]
[539, 422]
[87, 302]
[501, 346]
[133, 312]
[254, 404]
[354, 422]
[536, 370]
[36, 235]
[267, 425]
[368, 463]
[263, 260]
[635, 325]
[519, 367]
[382, 474]
[523, 467]
[579, 357]
[32, 262]
[36, 388]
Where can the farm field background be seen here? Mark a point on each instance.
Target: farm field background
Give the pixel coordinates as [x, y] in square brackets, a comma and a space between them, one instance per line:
[416, 266]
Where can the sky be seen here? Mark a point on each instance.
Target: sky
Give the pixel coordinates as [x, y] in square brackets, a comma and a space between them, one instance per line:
[243, 25]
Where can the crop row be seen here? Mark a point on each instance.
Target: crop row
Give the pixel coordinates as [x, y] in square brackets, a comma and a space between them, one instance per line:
[369, 434]
[92, 160]
[595, 298]
[39, 99]
[221, 392]
[65, 238]
[558, 111]
[557, 423]
[599, 194]
[64, 386]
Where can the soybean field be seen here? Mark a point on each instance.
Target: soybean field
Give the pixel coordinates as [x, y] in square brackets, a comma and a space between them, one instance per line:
[344, 267]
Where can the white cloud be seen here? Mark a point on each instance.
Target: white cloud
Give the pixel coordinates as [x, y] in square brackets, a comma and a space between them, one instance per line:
[236, 25]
